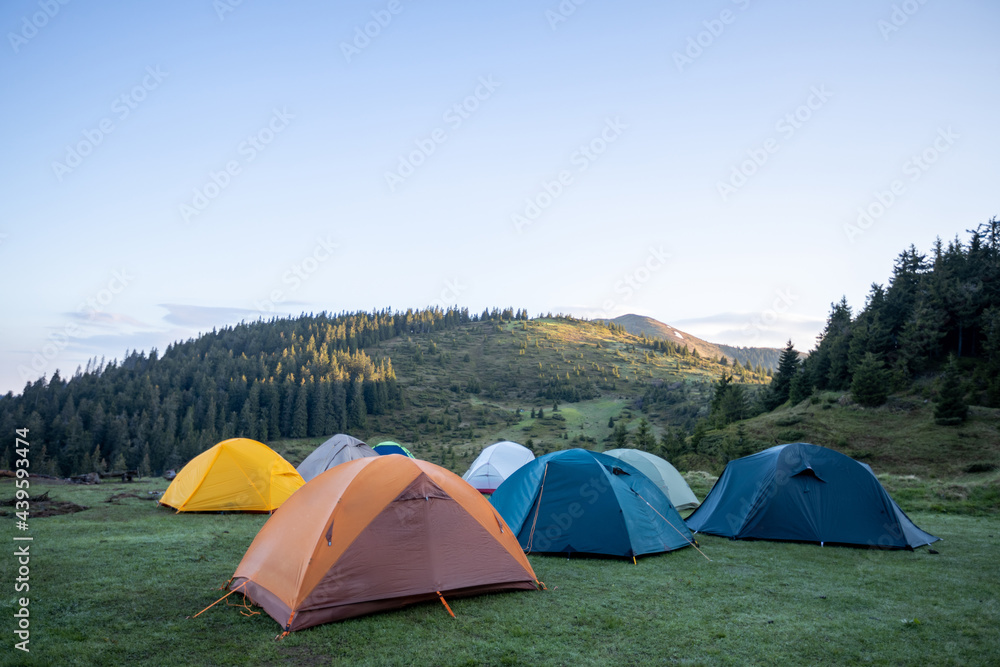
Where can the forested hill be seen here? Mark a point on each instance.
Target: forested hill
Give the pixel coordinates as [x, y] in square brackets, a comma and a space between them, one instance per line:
[267, 379]
[936, 307]
[317, 375]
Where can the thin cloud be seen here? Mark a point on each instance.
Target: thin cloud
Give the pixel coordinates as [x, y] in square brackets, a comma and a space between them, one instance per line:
[184, 315]
[105, 319]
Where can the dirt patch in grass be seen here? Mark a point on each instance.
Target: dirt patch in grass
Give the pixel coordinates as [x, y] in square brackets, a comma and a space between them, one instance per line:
[55, 508]
[43, 506]
[954, 492]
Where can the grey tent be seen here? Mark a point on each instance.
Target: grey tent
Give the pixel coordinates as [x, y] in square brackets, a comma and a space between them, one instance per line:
[338, 449]
[662, 474]
[805, 493]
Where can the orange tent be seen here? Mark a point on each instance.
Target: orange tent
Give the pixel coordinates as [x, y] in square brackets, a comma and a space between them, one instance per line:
[378, 533]
[236, 475]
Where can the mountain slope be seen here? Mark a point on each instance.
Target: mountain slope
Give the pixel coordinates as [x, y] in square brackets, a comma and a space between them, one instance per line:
[642, 325]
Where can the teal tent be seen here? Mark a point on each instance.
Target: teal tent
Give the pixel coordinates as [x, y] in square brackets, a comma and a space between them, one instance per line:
[578, 501]
[805, 493]
[390, 447]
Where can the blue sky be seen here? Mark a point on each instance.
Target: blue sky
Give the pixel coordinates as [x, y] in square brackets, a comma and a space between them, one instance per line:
[172, 167]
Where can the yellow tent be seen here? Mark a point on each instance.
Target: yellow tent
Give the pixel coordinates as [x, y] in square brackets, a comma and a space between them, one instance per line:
[237, 475]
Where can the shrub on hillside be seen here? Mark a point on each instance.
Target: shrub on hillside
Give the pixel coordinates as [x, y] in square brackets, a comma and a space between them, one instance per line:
[950, 408]
[870, 385]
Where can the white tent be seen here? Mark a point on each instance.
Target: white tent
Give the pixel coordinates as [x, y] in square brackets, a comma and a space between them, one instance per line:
[495, 464]
[338, 449]
[663, 475]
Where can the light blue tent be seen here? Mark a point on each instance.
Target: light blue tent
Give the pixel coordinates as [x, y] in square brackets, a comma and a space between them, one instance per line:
[805, 493]
[578, 501]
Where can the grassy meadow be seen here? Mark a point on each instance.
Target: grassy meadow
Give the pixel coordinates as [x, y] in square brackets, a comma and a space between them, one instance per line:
[114, 585]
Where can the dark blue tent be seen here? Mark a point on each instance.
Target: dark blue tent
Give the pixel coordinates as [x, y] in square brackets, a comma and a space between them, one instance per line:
[805, 493]
[578, 501]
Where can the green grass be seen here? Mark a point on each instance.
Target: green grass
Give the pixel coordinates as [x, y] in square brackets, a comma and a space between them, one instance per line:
[113, 585]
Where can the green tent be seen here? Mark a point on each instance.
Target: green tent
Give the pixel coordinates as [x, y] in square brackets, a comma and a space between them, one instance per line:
[662, 474]
[390, 447]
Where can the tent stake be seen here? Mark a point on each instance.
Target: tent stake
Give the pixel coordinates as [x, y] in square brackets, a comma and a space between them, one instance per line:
[445, 604]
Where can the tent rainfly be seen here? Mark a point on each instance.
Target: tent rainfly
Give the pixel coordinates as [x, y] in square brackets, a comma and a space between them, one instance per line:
[390, 447]
[805, 493]
[495, 464]
[578, 501]
[374, 534]
[236, 475]
[338, 449]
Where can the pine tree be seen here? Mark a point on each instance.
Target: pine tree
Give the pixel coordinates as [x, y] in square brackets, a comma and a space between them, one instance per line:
[729, 402]
[337, 419]
[801, 387]
[870, 386]
[620, 435]
[700, 428]
[300, 416]
[357, 415]
[98, 463]
[173, 460]
[144, 468]
[781, 385]
[950, 408]
[644, 438]
[991, 349]
[288, 408]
